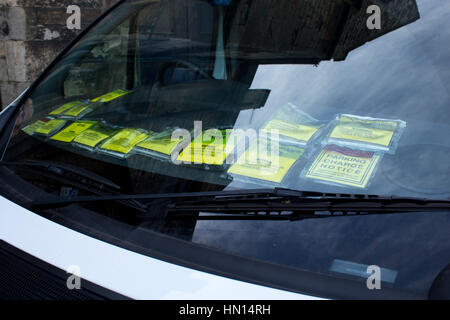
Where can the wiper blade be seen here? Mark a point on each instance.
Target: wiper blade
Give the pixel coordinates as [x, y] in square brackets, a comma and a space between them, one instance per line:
[77, 177]
[149, 197]
[66, 170]
[269, 204]
[304, 207]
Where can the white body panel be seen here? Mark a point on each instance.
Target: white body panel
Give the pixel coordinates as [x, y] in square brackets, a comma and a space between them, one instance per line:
[120, 270]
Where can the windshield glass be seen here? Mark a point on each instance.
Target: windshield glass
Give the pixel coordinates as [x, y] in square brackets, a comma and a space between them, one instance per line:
[339, 97]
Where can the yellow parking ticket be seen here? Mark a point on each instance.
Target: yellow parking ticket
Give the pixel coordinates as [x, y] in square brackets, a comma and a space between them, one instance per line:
[65, 107]
[348, 131]
[110, 96]
[124, 141]
[94, 135]
[161, 144]
[31, 129]
[365, 130]
[343, 166]
[72, 131]
[263, 163]
[206, 150]
[300, 132]
[387, 124]
[77, 111]
[49, 126]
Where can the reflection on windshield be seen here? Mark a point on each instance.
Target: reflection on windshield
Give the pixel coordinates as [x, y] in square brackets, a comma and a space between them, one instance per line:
[402, 75]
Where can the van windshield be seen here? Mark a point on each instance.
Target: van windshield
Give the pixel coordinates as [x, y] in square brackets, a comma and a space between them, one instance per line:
[337, 97]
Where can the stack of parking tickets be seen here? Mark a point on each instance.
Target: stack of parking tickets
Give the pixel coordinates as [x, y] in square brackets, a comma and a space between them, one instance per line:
[266, 161]
[45, 127]
[159, 145]
[207, 148]
[78, 109]
[73, 110]
[31, 128]
[72, 131]
[93, 136]
[121, 144]
[65, 107]
[292, 125]
[366, 133]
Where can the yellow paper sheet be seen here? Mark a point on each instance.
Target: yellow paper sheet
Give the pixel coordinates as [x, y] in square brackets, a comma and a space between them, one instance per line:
[376, 131]
[110, 96]
[48, 127]
[296, 131]
[369, 135]
[125, 140]
[66, 107]
[94, 135]
[72, 131]
[76, 111]
[164, 145]
[30, 129]
[259, 163]
[391, 125]
[206, 151]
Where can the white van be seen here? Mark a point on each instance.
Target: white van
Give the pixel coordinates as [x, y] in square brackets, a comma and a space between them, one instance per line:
[234, 149]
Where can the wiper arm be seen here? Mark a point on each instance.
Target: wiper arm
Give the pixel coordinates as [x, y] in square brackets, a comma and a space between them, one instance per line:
[269, 204]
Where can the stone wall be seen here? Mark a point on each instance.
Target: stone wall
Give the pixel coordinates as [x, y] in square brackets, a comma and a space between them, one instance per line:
[32, 33]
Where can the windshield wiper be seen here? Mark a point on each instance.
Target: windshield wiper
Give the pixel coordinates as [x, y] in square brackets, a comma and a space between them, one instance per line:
[306, 206]
[61, 202]
[74, 176]
[267, 204]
